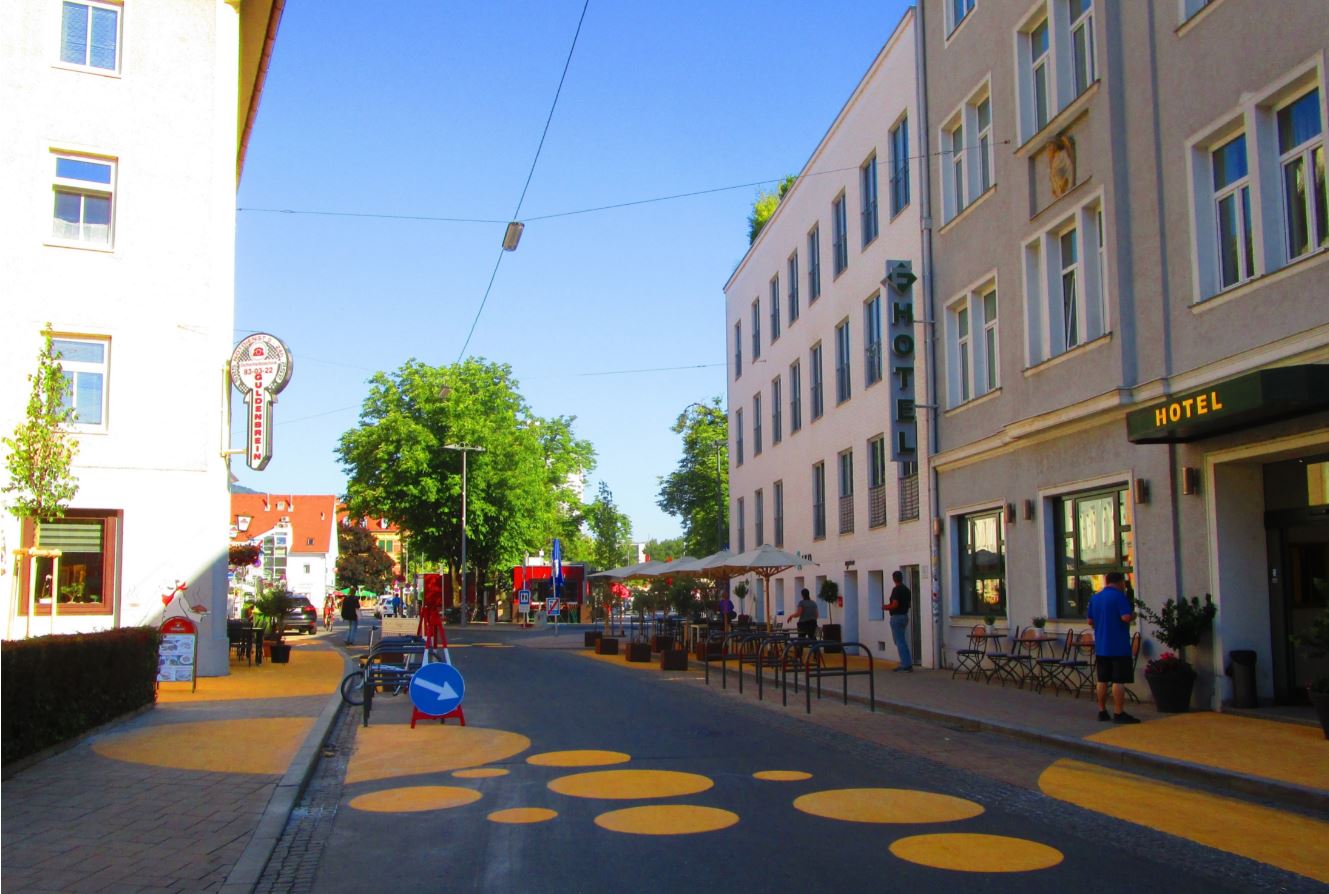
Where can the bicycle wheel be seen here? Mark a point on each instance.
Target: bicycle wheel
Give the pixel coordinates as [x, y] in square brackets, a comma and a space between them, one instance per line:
[353, 688]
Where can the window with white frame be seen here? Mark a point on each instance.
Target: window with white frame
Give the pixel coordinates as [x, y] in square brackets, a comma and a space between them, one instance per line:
[775, 308]
[738, 436]
[1056, 61]
[84, 363]
[991, 347]
[777, 424]
[814, 263]
[759, 517]
[819, 501]
[795, 397]
[1191, 7]
[1301, 162]
[777, 510]
[956, 12]
[839, 235]
[792, 279]
[967, 153]
[756, 328]
[983, 120]
[1040, 75]
[738, 350]
[90, 35]
[1067, 286]
[83, 188]
[1083, 67]
[961, 380]
[742, 529]
[842, 382]
[845, 464]
[867, 179]
[872, 340]
[756, 424]
[900, 166]
[954, 180]
[1232, 212]
[877, 481]
[815, 385]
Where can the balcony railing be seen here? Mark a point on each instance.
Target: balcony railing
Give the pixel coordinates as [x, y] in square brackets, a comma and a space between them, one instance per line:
[877, 506]
[847, 514]
[909, 497]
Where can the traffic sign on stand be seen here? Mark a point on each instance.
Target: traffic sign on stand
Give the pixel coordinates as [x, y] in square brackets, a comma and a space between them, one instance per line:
[524, 600]
[437, 689]
[552, 606]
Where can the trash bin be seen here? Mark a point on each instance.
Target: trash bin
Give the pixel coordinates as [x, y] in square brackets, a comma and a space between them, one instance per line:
[1242, 670]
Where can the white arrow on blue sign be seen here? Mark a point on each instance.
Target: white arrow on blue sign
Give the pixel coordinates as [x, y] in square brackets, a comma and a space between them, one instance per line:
[437, 689]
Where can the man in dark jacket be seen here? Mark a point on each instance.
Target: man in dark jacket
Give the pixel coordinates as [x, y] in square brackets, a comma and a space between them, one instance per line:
[350, 613]
[898, 607]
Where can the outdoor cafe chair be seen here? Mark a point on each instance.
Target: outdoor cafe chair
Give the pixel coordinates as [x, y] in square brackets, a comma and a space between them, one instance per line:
[1049, 670]
[1004, 660]
[1028, 648]
[240, 637]
[970, 659]
[1078, 667]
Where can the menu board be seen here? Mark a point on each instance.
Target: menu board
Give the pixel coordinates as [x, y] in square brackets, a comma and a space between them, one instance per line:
[178, 653]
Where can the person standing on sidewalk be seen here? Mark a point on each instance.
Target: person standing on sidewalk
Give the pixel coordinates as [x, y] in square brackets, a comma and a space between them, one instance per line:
[1110, 614]
[898, 607]
[350, 613]
[806, 612]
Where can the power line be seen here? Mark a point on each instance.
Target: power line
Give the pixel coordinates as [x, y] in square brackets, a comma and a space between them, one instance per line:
[622, 372]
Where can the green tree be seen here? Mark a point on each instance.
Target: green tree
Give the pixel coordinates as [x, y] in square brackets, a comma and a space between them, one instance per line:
[611, 531]
[666, 550]
[764, 206]
[697, 491]
[361, 562]
[42, 451]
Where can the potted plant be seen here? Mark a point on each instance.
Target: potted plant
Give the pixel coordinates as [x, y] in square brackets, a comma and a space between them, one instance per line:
[273, 604]
[1315, 640]
[741, 591]
[1179, 625]
[829, 593]
[990, 622]
[1040, 621]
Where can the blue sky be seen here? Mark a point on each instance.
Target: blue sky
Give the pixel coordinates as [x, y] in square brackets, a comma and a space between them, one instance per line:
[433, 108]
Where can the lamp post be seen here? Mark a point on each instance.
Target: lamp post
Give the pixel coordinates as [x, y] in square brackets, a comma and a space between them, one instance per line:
[463, 449]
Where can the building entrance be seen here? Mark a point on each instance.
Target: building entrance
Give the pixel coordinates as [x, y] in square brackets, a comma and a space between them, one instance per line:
[1298, 542]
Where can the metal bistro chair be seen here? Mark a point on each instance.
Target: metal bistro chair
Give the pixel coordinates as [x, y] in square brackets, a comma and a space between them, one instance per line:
[1004, 660]
[240, 637]
[1049, 669]
[970, 660]
[1023, 663]
[1078, 669]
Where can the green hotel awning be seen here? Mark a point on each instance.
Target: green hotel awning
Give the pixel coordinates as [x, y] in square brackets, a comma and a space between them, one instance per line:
[1254, 399]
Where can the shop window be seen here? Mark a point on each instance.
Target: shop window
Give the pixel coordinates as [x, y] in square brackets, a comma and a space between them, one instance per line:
[1094, 535]
[982, 549]
[87, 580]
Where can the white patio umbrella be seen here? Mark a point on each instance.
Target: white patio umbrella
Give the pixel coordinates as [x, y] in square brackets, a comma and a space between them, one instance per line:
[765, 561]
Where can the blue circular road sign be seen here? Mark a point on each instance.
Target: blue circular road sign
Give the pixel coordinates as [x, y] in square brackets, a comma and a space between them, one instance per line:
[437, 689]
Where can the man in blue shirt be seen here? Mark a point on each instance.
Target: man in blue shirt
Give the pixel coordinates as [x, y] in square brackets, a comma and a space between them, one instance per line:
[1110, 614]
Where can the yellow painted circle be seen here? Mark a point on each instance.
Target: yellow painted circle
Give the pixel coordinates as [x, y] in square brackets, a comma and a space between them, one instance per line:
[666, 819]
[782, 775]
[581, 758]
[383, 752]
[976, 853]
[887, 805]
[628, 784]
[519, 815]
[225, 746]
[480, 773]
[415, 799]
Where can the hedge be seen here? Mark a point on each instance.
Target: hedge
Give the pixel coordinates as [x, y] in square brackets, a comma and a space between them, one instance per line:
[56, 687]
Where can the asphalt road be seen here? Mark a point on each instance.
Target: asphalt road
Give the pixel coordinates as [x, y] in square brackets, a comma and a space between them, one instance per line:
[358, 835]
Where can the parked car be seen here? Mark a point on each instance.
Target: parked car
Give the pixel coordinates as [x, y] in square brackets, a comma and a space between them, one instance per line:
[302, 616]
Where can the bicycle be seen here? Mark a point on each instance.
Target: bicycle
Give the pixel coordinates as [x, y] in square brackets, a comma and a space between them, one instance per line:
[353, 684]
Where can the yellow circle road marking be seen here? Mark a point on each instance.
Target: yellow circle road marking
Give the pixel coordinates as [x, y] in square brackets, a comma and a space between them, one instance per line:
[315, 670]
[415, 799]
[383, 752]
[782, 775]
[886, 805]
[480, 773]
[224, 746]
[965, 852]
[666, 819]
[627, 784]
[581, 758]
[515, 815]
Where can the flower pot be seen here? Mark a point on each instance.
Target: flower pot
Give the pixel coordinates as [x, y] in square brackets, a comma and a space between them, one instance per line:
[1172, 690]
[673, 660]
[1320, 701]
[281, 652]
[606, 646]
[640, 652]
[593, 638]
[831, 633]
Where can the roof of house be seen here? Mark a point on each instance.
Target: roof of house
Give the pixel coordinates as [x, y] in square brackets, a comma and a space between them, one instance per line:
[311, 518]
[377, 524]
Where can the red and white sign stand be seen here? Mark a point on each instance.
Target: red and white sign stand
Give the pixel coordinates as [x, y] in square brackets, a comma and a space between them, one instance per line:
[430, 628]
[177, 655]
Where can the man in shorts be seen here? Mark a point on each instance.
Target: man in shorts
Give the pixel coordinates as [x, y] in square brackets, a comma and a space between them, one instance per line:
[1110, 614]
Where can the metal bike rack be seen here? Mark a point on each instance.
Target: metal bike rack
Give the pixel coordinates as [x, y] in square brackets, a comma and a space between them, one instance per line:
[823, 670]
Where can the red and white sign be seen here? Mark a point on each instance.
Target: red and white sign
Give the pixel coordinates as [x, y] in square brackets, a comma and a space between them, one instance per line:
[177, 655]
[260, 368]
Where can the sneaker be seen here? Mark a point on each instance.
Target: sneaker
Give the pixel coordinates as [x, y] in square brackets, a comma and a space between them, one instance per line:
[1104, 716]
[902, 670]
[1123, 717]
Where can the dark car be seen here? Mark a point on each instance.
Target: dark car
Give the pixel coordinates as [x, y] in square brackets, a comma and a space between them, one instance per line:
[302, 616]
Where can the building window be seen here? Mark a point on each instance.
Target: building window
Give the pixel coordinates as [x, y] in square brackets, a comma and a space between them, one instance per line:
[1038, 63]
[967, 159]
[991, 347]
[756, 424]
[742, 529]
[1067, 291]
[795, 397]
[90, 35]
[1232, 210]
[839, 235]
[738, 435]
[777, 428]
[819, 501]
[792, 279]
[1191, 7]
[962, 353]
[872, 340]
[982, 555]
[983, 116]
[814, 263]
[900, 166]
[1083, 66]
[89, 542]
[908, 491]
[1301, 160]
[775, 308]
[842, 387]
[83, 193]
[778, 511]
[758, 517]
[1093, 531]
[958, 193]
[84, 363]
[877, 482]
[971, 329]
[814, 361]
[845, 463]
[738, 350]
[956, 12]
[867, 178]
[756, 328]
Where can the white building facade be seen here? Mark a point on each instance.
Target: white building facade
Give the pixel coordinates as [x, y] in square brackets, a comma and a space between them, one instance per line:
[814, 375]
[127, 127]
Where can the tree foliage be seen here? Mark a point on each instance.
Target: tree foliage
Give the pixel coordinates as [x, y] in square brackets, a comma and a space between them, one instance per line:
[520, 491]
[610, 531]
[697, 491]
[42, 451]
[361, 562]
[764, 206]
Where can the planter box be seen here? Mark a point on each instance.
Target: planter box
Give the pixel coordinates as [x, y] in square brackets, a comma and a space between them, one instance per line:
[606, 646]
[638, 652]
[707, 651]
[1171, 691]
[661, 643]
[593, 638]
[281, 653]
[1320, 700]
[674, 660]
[831, 633]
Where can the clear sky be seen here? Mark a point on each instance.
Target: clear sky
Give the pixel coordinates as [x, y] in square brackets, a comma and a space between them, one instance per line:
[434, 108]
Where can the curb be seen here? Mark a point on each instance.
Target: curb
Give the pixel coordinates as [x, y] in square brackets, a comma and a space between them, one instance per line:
[248, 870]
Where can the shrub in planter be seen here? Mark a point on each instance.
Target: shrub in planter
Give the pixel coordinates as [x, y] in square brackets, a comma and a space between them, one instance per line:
[1179, 624]
[1171, 682]
[1315, 640]
[274, 604]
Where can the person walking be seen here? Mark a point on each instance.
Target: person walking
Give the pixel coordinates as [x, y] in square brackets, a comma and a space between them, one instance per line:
[350, 613]
[806, 612]
[1110, 614]
[898, 607]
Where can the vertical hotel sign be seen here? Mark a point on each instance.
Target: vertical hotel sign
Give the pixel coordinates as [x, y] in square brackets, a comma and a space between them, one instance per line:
[260, 369]
[900, 281]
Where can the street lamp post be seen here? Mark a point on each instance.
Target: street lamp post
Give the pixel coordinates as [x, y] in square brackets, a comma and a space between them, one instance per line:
[463, 449]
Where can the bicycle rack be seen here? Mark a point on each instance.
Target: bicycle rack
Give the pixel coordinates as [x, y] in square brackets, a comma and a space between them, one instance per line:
[822, 669]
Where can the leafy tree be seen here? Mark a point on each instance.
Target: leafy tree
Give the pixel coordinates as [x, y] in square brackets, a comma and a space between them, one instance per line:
[667, 549]
[361, 562]
[764, 206]
[611, 531]
[697, 491]
[42, 451]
